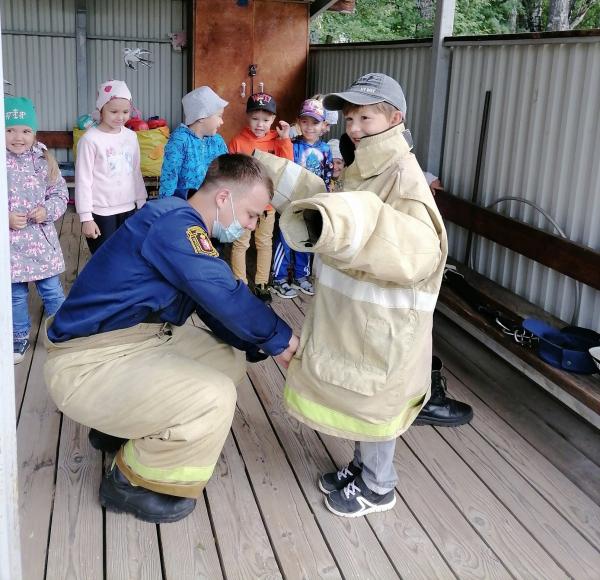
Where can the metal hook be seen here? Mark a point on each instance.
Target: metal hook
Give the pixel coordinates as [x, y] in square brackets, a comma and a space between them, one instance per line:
[243, 89]
[262, 87]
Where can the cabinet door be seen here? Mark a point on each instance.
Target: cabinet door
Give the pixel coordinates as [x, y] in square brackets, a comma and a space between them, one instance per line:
[229, 38]
[281, 52]
[223, 51]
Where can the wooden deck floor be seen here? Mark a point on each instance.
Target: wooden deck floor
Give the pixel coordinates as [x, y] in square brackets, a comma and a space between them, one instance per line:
[512, 495]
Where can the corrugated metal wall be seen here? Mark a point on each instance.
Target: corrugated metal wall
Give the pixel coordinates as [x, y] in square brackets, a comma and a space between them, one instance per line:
[334, 69]
[40, 60]
[144, 24]
[543, 144]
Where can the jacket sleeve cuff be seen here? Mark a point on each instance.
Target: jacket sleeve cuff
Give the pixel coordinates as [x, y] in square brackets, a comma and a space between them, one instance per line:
[86, 217]
[279, 341]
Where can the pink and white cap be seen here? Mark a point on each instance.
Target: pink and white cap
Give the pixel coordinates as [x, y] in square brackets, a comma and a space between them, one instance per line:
[110, 90]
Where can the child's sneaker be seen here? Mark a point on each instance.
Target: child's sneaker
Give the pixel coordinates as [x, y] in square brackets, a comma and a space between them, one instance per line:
[20, 347]
[263, 293]
[339, 479]
[356, 499]
[304, 285]
[283, 289]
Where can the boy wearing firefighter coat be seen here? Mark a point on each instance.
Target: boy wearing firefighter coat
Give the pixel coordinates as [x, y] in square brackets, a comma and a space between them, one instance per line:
[362, 370]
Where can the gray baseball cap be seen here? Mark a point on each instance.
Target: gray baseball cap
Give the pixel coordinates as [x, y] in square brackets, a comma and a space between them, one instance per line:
[369, 89]
[201, 103]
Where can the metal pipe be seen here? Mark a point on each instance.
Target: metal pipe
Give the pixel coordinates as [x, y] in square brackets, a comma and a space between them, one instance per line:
[10, 549]
[484, 123]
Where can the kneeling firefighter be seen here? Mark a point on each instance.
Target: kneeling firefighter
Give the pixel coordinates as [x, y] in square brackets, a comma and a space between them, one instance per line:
[121, 360]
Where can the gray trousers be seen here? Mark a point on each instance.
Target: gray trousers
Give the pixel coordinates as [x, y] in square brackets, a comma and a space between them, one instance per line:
[377, 463]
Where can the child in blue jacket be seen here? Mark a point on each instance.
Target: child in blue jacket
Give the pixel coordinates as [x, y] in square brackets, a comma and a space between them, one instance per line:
[194, 145]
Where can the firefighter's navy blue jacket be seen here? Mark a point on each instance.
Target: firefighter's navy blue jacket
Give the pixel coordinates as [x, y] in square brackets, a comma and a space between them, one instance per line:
[160, 266]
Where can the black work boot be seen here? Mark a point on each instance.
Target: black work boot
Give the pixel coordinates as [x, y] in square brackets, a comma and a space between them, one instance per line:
[118, 495]
[106, 443]
[441, 410]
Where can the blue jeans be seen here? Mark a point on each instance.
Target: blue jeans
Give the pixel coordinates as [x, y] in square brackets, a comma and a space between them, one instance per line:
[51, 293]
[283, 257]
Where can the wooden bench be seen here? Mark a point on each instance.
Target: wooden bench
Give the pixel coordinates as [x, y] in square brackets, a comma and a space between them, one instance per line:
[579, 392]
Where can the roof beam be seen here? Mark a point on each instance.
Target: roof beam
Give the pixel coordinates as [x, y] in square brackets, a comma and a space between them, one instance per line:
[320, 6]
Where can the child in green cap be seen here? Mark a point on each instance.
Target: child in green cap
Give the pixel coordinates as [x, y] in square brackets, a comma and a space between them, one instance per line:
[37, 197]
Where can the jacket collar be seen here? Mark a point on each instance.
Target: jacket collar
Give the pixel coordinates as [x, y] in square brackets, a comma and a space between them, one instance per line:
[376, 153]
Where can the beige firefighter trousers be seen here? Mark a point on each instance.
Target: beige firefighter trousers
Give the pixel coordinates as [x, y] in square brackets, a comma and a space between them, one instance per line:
[169, 390]
[263, 237]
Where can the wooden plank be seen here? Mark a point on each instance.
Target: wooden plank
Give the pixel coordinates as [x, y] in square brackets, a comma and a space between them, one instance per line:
[516, 547]
[132, 549]
[189, 548]
[406, 543]
[357, 551]
[578, 468]
[76, 545]
[37, 437]
[569, 258]
[241, 536]
[461, 546]
[567, 499]
[572, 552]
[37, 443]
[301, 550]
[525, 359]
[518, 388]
[56, 139]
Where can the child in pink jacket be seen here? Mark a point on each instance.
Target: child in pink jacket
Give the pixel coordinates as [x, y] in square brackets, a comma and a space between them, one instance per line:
[108, 179]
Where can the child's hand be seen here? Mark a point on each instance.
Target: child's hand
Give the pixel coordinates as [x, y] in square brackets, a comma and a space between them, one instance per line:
[437, 184]
[285, 357]
[283, 130]
[38, 215]
[90, 230]
[17, 220]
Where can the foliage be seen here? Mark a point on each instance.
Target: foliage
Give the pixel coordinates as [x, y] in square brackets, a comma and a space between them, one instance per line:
[394, 19]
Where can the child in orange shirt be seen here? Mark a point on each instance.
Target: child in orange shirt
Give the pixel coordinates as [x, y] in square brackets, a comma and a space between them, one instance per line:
[260, 113]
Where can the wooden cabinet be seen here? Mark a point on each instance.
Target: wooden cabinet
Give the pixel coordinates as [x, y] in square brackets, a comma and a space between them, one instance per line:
[228, 39]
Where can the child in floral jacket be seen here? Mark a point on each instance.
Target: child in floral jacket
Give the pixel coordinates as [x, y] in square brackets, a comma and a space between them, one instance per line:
[37, 197]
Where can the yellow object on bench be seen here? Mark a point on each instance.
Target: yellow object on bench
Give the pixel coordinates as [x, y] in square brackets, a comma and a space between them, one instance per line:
[152, 148]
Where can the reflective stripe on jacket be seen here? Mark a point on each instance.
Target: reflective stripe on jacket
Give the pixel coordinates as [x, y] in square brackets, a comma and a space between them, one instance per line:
[363, 367]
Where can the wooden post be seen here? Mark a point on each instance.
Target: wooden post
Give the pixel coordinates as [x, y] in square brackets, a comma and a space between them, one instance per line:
[81, 58]
[438, 86]
[10, 549]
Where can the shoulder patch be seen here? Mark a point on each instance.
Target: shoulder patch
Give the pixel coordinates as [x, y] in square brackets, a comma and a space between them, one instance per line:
[200, 241]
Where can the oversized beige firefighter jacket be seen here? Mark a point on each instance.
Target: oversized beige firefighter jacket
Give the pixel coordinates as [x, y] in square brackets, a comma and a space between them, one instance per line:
[363, 368]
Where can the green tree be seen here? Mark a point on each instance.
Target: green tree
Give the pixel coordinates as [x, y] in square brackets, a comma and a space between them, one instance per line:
[395, 19]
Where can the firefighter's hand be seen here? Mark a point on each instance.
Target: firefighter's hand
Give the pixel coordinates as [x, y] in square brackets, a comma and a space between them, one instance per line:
[285, 357]
[90, 229]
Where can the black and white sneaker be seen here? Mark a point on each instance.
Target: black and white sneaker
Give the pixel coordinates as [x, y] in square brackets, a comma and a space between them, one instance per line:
[356, 499]
[339, 479]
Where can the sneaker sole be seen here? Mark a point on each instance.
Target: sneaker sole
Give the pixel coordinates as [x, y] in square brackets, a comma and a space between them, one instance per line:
[364, 512]
[118, 508]
[323, 489]
[302, 290]
[442, 423]
[281, 295]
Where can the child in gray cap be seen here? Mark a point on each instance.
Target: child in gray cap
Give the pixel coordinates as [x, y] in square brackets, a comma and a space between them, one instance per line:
[193, 145]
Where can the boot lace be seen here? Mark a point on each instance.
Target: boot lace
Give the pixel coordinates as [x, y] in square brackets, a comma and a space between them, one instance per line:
[345, 472]
[351, 489]
[439, 384]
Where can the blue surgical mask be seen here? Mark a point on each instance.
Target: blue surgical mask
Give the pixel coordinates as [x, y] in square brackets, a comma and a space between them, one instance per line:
[230, 234]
